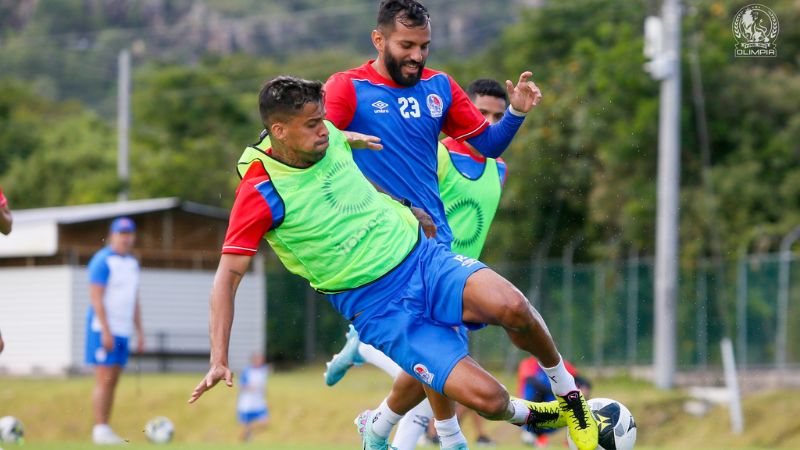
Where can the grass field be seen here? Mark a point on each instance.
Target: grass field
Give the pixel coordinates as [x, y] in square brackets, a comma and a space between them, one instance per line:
[308, 415]
[256, 445]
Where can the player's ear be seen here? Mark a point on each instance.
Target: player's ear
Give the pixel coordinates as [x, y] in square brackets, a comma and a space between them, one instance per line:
[378, 40]
[278, 130]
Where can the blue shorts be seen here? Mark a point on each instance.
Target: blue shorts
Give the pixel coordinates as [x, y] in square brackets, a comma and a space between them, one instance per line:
[97, 355]
[414, 313]
[246, 417]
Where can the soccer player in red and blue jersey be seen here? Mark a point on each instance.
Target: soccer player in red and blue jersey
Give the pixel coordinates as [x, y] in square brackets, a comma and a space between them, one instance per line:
[407, 106]
[396, 98]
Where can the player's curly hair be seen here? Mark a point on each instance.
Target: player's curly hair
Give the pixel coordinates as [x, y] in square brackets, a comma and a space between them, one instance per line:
[410, 13]
[487, 86]
[286, 96]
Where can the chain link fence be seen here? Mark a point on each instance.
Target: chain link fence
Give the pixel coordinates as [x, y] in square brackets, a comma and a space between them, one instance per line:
[600, 314]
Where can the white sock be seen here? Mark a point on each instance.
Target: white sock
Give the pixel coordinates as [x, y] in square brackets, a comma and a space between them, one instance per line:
[413, 425]
[383, 419]
[449, 432]
[376, 357]
[560, 380]
[520, 411]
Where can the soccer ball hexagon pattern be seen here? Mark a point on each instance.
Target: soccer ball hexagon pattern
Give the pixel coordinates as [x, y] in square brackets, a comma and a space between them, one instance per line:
[159, 430]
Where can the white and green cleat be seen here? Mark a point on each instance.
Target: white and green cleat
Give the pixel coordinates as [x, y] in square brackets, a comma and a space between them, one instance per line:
[369, 440]
[345, 359]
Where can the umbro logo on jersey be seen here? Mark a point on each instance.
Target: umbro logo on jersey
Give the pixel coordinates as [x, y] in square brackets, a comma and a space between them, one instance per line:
[381, 107]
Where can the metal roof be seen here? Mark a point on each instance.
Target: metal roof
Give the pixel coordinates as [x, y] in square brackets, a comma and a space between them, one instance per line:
[100, 211]
[35, 231]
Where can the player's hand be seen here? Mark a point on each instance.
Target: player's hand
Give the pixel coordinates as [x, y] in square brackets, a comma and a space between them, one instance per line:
[425, 220]
[361, 140]
[107, 339]
[139, 343]
[525, 95]
[215, 374]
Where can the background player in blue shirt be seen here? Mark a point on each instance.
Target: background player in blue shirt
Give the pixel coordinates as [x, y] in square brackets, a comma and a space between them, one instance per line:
[114, 314]
[251, 406]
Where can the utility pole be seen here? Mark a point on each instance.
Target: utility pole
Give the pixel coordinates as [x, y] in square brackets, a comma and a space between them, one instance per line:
[123, 121]
[663, 41]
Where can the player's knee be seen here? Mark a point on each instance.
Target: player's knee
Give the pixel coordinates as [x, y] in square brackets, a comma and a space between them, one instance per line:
[492, 403]
[517, 311]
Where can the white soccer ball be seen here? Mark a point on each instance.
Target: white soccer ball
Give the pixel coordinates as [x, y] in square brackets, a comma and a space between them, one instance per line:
[11, 430]
[159, 430]
[615, 425]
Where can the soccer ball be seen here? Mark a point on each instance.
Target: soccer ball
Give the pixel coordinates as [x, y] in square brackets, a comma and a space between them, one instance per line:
[11, 430]
[159, 430]
[615, 425]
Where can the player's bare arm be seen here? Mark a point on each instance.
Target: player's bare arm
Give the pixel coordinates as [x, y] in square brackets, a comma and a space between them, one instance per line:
[5, 214]
[525, 95]
[229, 274]
[5, 220]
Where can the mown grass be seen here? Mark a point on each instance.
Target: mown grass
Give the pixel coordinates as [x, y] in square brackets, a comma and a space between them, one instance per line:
[308, 415]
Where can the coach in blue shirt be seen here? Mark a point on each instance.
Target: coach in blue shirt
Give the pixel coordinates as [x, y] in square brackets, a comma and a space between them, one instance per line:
[113, 314]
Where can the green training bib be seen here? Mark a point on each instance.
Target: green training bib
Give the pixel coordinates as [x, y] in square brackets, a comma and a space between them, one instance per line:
[338, 231]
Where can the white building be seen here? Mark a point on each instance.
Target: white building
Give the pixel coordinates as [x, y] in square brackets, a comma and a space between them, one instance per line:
[44, 290]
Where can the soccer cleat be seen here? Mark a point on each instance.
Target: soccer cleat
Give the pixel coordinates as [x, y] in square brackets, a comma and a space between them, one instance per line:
[543, 415]
[345, 359]
[369, 440]
[581, 423]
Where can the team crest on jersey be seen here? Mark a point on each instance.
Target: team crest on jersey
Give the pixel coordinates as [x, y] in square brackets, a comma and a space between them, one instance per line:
[421, 371]
[381, 107]
[435, 105]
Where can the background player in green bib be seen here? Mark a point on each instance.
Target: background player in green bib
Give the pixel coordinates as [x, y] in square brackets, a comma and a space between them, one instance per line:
[404, 293]
[469, 183]
[470, 187]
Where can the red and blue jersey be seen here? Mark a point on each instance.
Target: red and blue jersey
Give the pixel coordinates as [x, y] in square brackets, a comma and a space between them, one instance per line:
[408, 120]
[257, 209]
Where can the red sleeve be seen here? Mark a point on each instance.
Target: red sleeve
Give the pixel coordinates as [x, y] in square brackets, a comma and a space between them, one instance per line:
[340, 100]
[463, 120]
[250, 219]
[3, 200]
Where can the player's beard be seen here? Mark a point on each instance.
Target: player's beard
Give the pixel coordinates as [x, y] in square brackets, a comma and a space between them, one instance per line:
[395, 69]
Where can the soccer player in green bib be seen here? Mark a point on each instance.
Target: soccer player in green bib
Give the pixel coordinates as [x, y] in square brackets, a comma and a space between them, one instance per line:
[404, 293]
